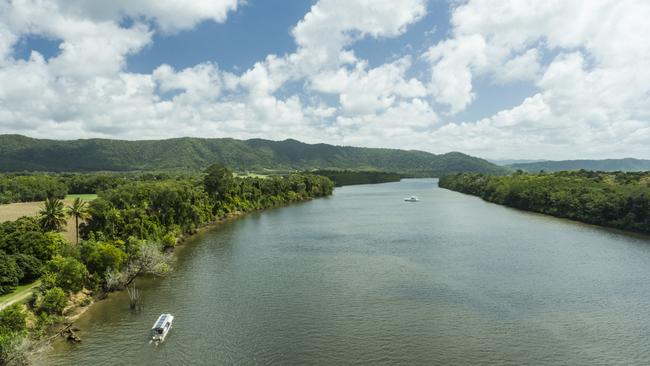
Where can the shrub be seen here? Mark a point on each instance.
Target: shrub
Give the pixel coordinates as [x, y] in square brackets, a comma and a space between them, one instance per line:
[13, 319]
[54, 301]
[31, 267]
[10, 273]
[11, 350]
[70, 273]
[99, 256]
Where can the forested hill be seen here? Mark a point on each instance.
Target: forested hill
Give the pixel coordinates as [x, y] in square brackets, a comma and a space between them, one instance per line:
[21, 153]
[606, 165]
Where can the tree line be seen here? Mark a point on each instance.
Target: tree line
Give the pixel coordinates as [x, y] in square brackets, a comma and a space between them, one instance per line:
[352, 177]
[614, 199]
[127, 231]
[31, 187]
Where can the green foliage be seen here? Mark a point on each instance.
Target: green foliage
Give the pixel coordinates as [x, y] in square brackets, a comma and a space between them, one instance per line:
[54, 301]
[48, 281]
[169, 239]
[13, 319]
[30, 188]
[57, 244]
[19, 153]
[148, 210]
[25, 236]
[30, 266]
[350, 177]
[79, 211]
[10, 348]
[100, 256]
[128, 231]
[10, 273]
[51, 215]
[70, 274]
[620, 200]
[218, 181]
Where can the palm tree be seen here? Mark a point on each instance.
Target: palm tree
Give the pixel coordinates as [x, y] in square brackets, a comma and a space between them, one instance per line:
[52, 217]
[78, 210]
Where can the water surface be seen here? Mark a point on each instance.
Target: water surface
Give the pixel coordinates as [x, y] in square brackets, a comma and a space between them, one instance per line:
[364, 278]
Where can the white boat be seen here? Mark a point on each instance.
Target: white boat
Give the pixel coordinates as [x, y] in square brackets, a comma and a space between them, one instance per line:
[411, 199]
[161, 327]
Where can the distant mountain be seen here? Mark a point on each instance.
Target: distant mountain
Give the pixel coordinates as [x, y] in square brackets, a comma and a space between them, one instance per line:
[507, 162]
[20, 153]
[606, 165]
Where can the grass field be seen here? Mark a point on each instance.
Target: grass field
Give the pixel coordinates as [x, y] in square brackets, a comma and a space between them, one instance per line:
[85, 197]
[13, 211]
[21, 293]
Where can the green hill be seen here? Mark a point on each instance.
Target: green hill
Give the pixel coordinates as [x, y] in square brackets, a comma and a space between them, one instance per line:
[605, 165]
[20, 153]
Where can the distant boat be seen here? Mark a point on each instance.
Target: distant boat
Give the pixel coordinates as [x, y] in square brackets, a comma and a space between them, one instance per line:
[161, 327]
[411, 199]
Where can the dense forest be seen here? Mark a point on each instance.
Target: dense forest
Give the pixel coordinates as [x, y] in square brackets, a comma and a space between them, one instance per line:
[127, 231]
[350, 177]
[618, 199]
[605, 165]
[20, 153]
[32, 187]
[27, 188]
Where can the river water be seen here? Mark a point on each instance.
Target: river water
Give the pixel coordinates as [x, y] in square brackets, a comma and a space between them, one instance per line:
[365, 278]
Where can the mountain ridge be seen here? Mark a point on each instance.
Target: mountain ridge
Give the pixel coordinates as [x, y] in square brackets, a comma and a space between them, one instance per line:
[605, 165]
[22, 153]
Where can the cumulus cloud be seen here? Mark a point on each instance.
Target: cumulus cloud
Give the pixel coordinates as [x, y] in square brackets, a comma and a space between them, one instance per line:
[593, 95]
[587, 60]
[168, 15]
[363, 91]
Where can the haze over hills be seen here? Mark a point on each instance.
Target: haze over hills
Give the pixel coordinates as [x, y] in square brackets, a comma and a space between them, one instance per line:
[508, 162]
[21, 153]
[606, 165]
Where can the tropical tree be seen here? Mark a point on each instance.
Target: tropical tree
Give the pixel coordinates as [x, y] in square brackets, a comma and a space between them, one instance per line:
[10, 273]
[78, 210]
[52, 216]
[218, 181]
[70, 274]
[54, 301]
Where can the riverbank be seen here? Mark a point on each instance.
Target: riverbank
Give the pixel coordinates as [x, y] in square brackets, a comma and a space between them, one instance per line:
[354, 177]
[616, 200]
[80, 304]
[364, 278]
[130, 231]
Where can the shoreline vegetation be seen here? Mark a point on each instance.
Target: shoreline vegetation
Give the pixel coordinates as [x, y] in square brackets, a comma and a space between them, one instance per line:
[353, 177]
[618, 200]
[129, 230]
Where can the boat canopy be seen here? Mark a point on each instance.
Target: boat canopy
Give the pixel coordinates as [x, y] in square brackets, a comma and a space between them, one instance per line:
[160, 323]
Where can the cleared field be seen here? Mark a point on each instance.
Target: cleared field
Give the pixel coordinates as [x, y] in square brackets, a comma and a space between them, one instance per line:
[85, 197]
[13, 211]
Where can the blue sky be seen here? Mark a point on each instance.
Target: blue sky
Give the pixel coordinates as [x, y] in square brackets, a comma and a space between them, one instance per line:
[506, 80]
[259, 28]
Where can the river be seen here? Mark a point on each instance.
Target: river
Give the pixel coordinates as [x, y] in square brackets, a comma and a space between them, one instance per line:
[365, 278]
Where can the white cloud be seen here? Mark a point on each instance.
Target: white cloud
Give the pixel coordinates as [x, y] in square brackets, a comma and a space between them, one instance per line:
[363, 91]
[451, 73]
[169, 15]
[332, 24]
[593, 95]
[201, 83]
[588, 60]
